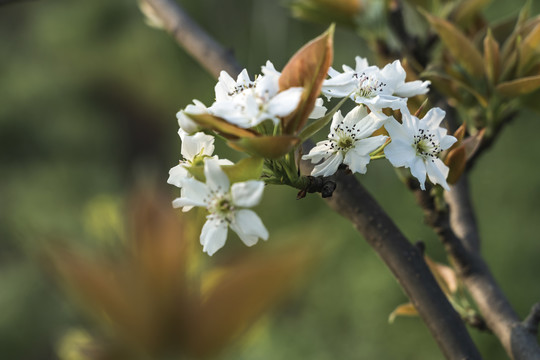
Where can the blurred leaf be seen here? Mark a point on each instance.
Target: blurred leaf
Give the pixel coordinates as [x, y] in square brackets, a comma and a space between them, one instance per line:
[318, 124]
[515, 88]
[466, 10]
[448, 84]
[460, 132]
[221, 126]
[528, 48]
[491, 58]
[246, 290]
[244, 170]
[456, 160]
[343, 12]
[461, 47]
[407, 309]
[472, 143]
[270, 147]
[307, 68]
[445, 276]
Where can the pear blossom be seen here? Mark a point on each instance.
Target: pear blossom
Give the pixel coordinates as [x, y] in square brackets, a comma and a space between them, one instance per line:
[349, 142]
[318, 110]
[374, 87]
[416, 144]
[195, 150]
[226, 206]
[247, 103]
[185, 122]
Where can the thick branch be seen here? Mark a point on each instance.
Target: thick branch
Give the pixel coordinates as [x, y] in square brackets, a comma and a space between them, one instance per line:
[208, 52]
[405, 261]
[499, 315]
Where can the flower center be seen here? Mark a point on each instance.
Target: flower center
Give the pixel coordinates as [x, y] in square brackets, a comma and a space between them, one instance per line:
[368, 86]
[343, 138]
[240, 88]
[426, 144]
[222, 207]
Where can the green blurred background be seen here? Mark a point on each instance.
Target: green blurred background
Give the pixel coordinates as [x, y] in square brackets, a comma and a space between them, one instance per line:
[89, 95]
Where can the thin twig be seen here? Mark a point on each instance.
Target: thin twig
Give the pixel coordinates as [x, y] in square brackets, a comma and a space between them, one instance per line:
[207, 51]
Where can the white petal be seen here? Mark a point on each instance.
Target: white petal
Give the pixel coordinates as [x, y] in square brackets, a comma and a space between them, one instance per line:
[355, 115]
[382, 101]
[367, 145]
[216, 179]
[393, 74]
[194, 193]
[433, 118]
[369, 124]
[319, 110]
[336, 120]
[213, 235]
[196, 144]
[319, 152]
[356, 161]
[447, 141]
[177, 174]
[329, 166]
[248, 193]
[186, 123]
[418, 170]
[437, 172]
[400, 152]
[285, 102]
[398, 131]
[412, 88]
[361, 64]
[249, 227]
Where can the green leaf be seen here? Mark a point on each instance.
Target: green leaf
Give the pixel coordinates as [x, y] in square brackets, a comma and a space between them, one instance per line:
[447, 83]
[220, 126]
[456, 161]
[491, 58]
[466, 11]
[461, 47]
[407, 309]
[244, 170]
[318, 124]
[528, 49]
[307, 68]
[270, 147]
[519, 87]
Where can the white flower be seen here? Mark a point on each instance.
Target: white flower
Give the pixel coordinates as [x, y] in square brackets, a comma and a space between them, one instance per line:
[226, 206]
[185, 122]
[376, 88]
[195, 150]
[318, 110]
[348, 143]
[416, 144]
[247, 103]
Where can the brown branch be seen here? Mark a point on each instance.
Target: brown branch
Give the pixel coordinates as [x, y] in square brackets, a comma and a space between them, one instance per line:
[406, 262]
[207, 51]
[499, 315]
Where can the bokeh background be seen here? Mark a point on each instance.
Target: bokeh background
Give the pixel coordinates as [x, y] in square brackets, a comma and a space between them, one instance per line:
[89, 94]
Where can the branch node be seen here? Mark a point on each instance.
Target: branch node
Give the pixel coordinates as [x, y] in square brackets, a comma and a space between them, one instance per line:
[532, 320]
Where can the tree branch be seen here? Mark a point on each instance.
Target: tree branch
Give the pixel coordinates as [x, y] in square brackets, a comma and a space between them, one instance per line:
[499, 315]
[405, 261]
[207, 51]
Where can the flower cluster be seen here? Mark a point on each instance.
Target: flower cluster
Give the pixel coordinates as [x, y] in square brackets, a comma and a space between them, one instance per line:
[414, 143]
[266, 118]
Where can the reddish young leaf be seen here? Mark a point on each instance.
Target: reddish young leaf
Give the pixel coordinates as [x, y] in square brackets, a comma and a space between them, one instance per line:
[221, 126]
[308, 69]
[456, 161]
